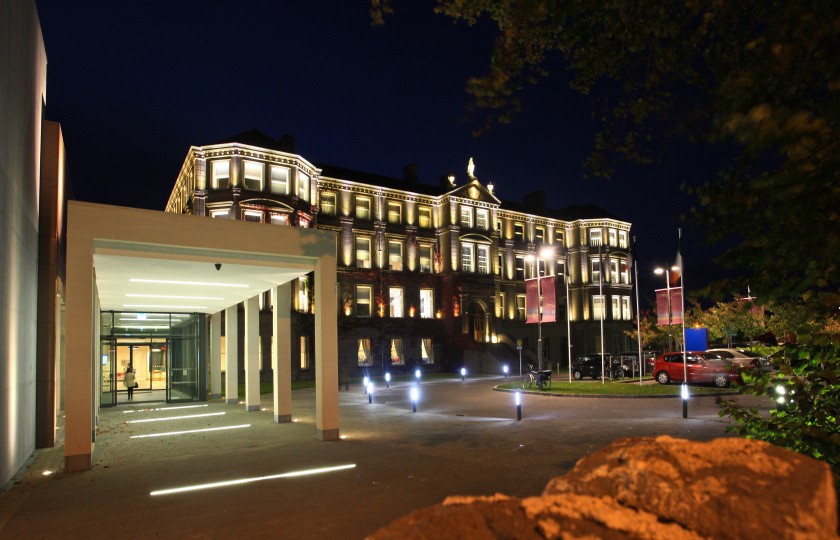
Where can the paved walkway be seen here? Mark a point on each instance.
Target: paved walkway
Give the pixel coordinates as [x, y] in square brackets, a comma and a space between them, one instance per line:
[464, 439]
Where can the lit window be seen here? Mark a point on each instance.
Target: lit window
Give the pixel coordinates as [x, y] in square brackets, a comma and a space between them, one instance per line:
[499, 265]
[614, 270]
[595, 238]
[612, 236]
[466, 217]
[518, 231]
[616, 310]
[365, 359]
[395, 301]
[625, 272]
[558, 238]
[502, 305]
[520, 268]
[303, 299]
[597, 307]
[560, 268]
[427, 351]
[395, 256]
[520, 307]
[221, 214]
[481, 220]
[499, 226]
[253, 215]
[279, 219]
[425, 217]
[362, 208]
[397, 357]
[425, 258]
[427, 303]
[467, 257]
[363, 252]
[221, 174]
[539, 234]
[304, 353]
[303, 186]
[625, 308]
[595, 270]
[363, 296]
[483, 260]
[280, 180]
[394, 213]
[328, 204]
[622, 239]
[253, 175]
[541, 266]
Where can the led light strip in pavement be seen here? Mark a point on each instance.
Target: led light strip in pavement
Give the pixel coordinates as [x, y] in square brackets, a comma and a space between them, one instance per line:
[248, 480]
[164, 408]
[188, 431]
[174, 418]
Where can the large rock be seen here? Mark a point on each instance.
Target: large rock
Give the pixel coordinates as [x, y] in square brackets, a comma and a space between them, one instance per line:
[652, 488]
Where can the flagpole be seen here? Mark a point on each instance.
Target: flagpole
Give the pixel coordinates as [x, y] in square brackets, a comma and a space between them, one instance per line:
[638, 313]
[682, 307]
[568, 276]
[603, 307]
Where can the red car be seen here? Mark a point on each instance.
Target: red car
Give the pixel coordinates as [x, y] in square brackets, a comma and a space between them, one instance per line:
[701, 368]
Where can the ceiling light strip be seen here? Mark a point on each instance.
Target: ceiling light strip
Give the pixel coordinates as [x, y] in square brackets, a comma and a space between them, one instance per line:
[156, 306]
[203, 283]
[170, 296]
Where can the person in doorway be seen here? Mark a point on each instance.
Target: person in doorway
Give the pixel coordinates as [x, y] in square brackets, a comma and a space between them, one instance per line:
[128, 381]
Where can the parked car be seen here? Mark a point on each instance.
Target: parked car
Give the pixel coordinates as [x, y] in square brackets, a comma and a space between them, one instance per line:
[744, 358]
[589, 365]
[701, 367]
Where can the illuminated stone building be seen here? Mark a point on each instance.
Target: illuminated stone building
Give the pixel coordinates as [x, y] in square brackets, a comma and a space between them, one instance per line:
[428, 275]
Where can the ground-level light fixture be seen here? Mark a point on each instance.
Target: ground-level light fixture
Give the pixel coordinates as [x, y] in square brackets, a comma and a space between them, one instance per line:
[415, 395]
[684, 395]
[505, 370]
[463, 373]
[365, 383]
[370, 392]
[518, 400]
[387, 379]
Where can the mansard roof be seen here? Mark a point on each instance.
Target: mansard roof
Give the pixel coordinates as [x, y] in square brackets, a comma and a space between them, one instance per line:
[255, 137]
[569, 213]
[388, 182]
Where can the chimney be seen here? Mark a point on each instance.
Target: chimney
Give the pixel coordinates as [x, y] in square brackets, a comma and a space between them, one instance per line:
[287, 143]
[447, 181]
[535, 200]
[410, 173]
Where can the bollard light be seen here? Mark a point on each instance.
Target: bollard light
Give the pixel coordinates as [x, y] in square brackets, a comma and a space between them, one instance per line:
[463, 373]
[684, 395]
[415, 394]
[518, 400]
[370, 392]
[505, 369]
[417, 374]
[365, 383]
[387, 379]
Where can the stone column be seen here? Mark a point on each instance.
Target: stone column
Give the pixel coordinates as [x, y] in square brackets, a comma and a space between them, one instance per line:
[252, 356]
[216, 355]
[232, 354]
[281, 353]
[326, 350]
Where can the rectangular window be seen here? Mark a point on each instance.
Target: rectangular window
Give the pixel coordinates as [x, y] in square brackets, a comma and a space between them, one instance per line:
[303, 186]
[614, 270]
[499, 226]
[221, 174]
[500, 262]
[427, 351]
[253, 175]
[597, 307]
[220, 214]
[363, 252]
[560, 268]
[595, 270]
[303, 298]
[616, 309]
[397, 357]
[519, 232]
[467, 257]
[395, 255]
[483, 260]
[395, 302]
[280, 180]
[520, 268]
[559, 238]
[595, 238]
[252, 215]
[394, 213]
[539, 234]
[612, 236]
[362, 208]
[425, 217]
[427, 303]
[279, 219]
[541, 266]
[625, 308]
[481, 220]
[365, 358]
[622, 239]
[328, 204]
[363, 297]
[466, 217]
[502, 305]
[304, 353]
[425, 258]
[520, 307]
[625, 272]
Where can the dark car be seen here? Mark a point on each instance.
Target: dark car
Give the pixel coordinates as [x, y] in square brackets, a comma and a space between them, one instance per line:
[700, 367]
[589, 365]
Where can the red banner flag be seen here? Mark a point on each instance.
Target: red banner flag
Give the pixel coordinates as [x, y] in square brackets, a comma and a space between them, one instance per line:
[662, 306]
[549, 299]
[532, 301]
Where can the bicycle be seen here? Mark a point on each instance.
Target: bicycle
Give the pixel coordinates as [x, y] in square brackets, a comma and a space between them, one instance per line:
[541, 378]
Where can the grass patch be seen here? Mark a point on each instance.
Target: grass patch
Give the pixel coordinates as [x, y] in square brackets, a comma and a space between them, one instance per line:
[630, 388]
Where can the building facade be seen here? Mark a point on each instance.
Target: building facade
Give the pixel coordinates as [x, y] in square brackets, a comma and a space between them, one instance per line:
[429, 276]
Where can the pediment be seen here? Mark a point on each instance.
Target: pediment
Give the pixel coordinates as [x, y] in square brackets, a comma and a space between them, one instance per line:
[475, 191]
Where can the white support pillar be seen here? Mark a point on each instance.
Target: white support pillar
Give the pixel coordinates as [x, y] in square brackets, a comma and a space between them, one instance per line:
[281, 352]
[216, 355]
[232, 354]
[326, 350]
[252, 354]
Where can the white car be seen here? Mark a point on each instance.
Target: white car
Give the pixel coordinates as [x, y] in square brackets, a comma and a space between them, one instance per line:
[744, 358]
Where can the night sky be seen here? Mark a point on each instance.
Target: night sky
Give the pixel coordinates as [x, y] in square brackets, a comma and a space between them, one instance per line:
[135, 84]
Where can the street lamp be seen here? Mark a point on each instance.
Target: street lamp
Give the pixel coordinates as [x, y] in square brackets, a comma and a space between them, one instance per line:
[545, 253]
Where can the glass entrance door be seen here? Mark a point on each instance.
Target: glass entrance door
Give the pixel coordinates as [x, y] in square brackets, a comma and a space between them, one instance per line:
[108, 373]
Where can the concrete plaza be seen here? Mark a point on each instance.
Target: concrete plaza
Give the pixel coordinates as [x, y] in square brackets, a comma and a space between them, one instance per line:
[464, 439]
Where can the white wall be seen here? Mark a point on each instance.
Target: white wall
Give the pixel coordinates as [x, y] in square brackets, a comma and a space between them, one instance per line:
[23, 72]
